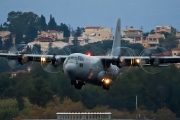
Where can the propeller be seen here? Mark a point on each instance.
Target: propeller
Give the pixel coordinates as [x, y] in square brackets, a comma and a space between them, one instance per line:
[153, 66]
[53, 64]
[119, 51]
[22, 61]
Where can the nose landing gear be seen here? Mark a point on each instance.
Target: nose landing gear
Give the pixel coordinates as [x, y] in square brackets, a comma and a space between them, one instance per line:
[77, 83]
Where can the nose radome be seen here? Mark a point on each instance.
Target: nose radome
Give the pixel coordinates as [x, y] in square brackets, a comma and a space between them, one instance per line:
[70, 68]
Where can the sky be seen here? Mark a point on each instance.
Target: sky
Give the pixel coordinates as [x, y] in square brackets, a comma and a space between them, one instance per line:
[145, 14]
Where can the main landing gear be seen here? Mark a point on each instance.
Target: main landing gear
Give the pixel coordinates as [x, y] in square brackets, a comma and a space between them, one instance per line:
[77, 83]
[106, 83]
[106, 87]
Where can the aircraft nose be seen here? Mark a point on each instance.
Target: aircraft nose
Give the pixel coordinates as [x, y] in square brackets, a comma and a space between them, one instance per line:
[70, 69]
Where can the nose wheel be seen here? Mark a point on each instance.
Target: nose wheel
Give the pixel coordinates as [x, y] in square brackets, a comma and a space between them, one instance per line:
[77, 83]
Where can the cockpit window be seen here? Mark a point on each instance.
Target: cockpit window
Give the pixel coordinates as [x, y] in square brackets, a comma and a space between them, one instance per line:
[71, 57]
[80, 58]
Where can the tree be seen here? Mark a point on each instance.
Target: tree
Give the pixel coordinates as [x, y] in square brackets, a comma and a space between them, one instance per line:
[43, 25]
[1, 45]
[169, 42]
[75, 41]
[152, 32]
[40, 92]
[52, 24]
[1, 27]
[165, 114]
[78, 32]
[173, 30]
[20, 23]
[50, 47]
[5, 26]
[145, 34]
[63, 27]
[8, 43]
[6, 86]
[20, 101]
[31, 33]
[37, 48]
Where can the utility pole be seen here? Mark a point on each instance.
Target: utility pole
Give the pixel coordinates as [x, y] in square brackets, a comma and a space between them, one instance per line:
[136, 107]
[136, 102]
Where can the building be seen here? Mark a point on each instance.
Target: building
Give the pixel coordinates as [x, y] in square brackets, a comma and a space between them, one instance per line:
[83, 115]
[178, 35]
[97, 33]
[133, 34]
[93, 34]
[59, 34]
[80, 40]
[50, 36]
[153, 39]
[175, 51]
[160, 29]
[45, 39]
[5, 35]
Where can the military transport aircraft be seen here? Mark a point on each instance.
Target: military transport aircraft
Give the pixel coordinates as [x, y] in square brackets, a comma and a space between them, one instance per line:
[96, 70]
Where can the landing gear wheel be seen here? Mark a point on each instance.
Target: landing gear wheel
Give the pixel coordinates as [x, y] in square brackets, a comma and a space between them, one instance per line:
[78, 84]
[106, 87]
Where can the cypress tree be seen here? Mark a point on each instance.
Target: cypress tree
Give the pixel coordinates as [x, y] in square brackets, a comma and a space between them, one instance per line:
[43, 25]
[52, 25]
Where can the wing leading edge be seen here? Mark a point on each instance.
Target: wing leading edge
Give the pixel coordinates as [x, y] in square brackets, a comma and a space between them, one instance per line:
[32, 57]
[138, 60]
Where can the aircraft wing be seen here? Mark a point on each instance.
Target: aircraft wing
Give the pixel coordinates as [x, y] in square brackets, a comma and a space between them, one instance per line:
[32, 57]
[139, 60]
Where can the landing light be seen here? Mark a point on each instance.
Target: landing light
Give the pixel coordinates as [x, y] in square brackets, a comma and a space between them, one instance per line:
[106, 80]
[138, 61]
[43, 59]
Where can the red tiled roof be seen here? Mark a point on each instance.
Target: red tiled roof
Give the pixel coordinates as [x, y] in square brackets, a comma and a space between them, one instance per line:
[168, 53]
[176, 49]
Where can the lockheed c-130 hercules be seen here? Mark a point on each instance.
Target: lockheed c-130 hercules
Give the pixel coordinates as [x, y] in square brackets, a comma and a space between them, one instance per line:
[96, 70]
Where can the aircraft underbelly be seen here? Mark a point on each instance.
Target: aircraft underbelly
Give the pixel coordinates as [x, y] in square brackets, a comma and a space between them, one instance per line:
[90, 74]
[112, 74]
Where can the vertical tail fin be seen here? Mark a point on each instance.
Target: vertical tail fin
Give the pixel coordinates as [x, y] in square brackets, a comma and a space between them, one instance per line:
[117, 40]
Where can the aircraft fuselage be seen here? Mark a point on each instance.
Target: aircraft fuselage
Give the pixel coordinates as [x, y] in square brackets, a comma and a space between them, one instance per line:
[88, 69]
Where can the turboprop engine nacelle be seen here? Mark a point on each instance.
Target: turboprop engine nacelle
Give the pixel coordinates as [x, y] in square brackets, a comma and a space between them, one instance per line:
[56, 61]
[154, 61]
[105, 77]
[23, 59]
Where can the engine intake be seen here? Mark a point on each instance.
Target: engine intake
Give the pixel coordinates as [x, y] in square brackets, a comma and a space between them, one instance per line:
[154, 61]
[56, 62]
[23, 59]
